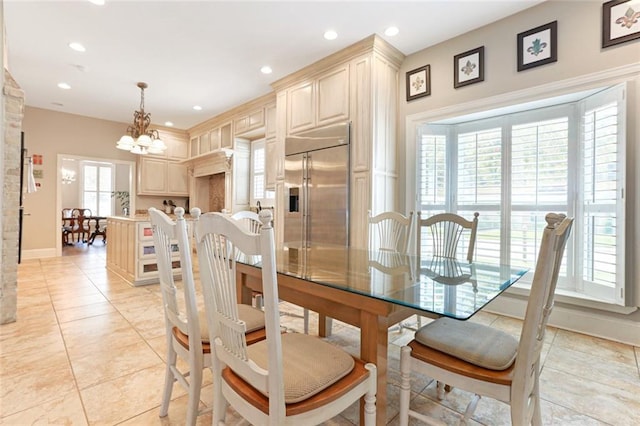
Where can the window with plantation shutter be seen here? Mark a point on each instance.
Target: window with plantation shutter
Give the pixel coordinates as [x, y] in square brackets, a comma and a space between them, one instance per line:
[97, 185]
[515, 168]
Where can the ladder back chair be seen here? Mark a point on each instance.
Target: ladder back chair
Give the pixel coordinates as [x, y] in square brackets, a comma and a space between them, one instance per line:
[390, 231]
[186, 328]
[81, 224]
[487, 361]
[446, 231]
[250, 221]
[288, 378]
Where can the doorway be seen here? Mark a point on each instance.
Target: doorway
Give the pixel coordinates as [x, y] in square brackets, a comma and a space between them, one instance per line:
[71, 191]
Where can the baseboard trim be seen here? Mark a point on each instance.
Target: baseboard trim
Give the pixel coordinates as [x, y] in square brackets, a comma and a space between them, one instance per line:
[38, 253]
[566, 318]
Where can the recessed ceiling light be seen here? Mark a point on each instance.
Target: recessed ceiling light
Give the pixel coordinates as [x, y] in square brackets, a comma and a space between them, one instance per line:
[168, 123]
[197, 107]
[98, 2]
[64, 86]
[331, 35]
[266, 69]
[77, 46]
[391, 31]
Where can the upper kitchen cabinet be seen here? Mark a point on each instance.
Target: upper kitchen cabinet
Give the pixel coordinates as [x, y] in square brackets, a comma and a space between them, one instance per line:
[212, 140]
[249, 122]
[358, 84]
[164, 174]
[270, 121]
[319, 101]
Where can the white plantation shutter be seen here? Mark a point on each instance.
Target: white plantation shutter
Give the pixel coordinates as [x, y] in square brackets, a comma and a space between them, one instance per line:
[97, 185]
[479, 188]
[539, 184]
[601, 266]
[258, 152]
[514, 169]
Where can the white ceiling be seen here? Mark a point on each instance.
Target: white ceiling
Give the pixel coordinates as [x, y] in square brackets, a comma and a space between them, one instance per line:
[206, 53]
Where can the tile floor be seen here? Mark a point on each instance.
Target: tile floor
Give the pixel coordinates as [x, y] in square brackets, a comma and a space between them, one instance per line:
[88, 349]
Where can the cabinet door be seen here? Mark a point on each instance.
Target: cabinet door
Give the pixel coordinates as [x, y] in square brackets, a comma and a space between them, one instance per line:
[333, 96]
[241, 124]
[177, 146]
[301, 107]
[270, 164]
[152, 176]
[270, 121]
[204, 143]
[226, 136]
[194, 147]
[256, 119]
[177, 179]
[214, 139]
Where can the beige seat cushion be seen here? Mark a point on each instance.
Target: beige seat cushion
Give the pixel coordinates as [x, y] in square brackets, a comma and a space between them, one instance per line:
[475, 343]
[309, 364]
[254, 318]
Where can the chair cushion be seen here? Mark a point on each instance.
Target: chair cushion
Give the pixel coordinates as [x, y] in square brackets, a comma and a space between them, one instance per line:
[475, 343]
[254, 318]
[309, 364]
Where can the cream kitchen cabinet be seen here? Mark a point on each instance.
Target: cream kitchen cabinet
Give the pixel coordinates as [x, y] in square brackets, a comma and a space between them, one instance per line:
[131, 253]
[212, 140]
[318, 102]
[270, 121]
[249, 122]
[162, 177]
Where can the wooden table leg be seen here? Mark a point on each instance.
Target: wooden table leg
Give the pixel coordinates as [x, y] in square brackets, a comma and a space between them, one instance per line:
[373, 348]
[325, 324]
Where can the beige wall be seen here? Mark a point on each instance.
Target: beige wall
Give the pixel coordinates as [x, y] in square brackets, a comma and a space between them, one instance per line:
[579, 54]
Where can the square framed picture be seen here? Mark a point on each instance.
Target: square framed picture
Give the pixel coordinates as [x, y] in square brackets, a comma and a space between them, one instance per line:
[468, 67]
[538, 46]
[419, 83]
[620, 21]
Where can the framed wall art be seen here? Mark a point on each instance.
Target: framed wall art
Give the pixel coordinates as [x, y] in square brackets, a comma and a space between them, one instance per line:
[419, 83]
[538, 46]
[620, 21]
[468, 67]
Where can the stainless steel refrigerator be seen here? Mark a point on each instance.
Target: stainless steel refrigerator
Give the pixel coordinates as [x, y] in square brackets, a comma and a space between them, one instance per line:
[317, 187]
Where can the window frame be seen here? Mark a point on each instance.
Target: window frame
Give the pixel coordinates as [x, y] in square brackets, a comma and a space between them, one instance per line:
[575, 111]
[81, 186]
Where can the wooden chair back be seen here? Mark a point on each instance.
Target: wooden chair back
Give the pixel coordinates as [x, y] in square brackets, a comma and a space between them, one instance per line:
[182, 324]
[217, 239]
[539, 307]
[446, 231]
[390, 231]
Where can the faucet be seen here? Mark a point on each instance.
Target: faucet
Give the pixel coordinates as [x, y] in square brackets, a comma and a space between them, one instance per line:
[259, 206]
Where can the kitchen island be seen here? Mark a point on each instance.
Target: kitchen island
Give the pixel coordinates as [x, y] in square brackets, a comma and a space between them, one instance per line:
[130, 252]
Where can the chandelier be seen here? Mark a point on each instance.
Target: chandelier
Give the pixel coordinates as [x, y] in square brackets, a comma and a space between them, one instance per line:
[141, 140]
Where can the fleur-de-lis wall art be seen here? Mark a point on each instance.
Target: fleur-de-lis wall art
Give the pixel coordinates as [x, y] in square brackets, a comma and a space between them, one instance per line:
[537, 46]
[419, 82]
[620, 22]
[468, 67]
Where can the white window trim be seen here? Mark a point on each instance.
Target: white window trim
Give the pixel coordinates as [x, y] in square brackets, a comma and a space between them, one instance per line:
[627, 73]
[98, 164]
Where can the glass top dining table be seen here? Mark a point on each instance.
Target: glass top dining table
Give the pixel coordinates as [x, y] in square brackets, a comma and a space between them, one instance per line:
[374, 290]
[437, 286]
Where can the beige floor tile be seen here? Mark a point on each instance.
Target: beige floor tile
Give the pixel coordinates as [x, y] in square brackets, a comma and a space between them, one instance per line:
[19, 393]
[66, 410]
[85, 311]
[77, 301]
[48, 337]
[606, 403]
[26, 361]
[108, 365]
[121, 399]
[595, 346]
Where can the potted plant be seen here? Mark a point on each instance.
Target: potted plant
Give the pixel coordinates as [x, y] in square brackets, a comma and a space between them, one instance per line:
[123, 198]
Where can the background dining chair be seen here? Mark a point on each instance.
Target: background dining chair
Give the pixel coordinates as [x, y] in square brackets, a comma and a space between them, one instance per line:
[67, 226]
[251, 223]
[486, 361]
[390, 231]
[81, 224]
[186, 328]
[288, 378]
[446, 231]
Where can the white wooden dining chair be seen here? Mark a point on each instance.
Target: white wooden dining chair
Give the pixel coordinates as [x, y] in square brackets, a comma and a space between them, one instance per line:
[446, 230]
[181, 321]
[487, 361]
[390, 231]
[186, 329]
[251, 223]
[287, 379]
